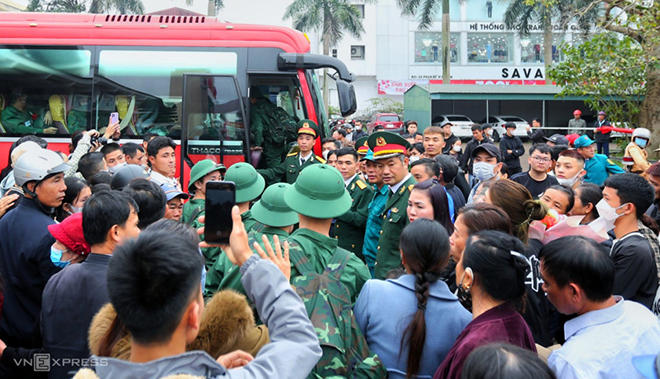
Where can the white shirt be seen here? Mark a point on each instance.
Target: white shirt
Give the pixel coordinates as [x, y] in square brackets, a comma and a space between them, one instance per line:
[305, 158]
[160, 179]
[396, 187]
[349, 180]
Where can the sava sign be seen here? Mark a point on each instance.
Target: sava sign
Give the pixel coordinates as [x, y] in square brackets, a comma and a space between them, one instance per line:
[522, 73]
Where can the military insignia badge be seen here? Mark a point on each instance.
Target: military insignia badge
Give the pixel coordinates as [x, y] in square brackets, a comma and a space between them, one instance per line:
[395, 210]
[381, 141]
[410, 187]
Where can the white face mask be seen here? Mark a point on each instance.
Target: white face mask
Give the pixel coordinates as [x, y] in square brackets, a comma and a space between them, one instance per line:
[570, 181]
[483, 171]
[116, 167]
[413, 158]
[457, 149]
[325, 154]
[358, 127]
[608, 213]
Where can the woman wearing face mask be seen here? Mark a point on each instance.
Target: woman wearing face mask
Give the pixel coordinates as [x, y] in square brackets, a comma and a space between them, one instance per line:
[424, 317]
[428, 199]
[491, 280]
[77, 192]
[456, 151]
[70, 245]
[635, 156]
[416, 150]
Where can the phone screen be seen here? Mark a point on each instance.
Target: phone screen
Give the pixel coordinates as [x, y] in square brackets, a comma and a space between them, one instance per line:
[220, 198]
[114, 117]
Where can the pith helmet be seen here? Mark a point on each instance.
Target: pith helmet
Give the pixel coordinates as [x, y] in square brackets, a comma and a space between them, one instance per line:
[249, 183]
[319, 192]
[272, 210]
[203, 168]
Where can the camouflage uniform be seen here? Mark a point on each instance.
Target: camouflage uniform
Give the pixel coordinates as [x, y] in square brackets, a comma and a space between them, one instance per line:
[274, 146]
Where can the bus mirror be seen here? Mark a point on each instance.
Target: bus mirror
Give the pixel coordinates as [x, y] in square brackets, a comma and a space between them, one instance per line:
[347, 100]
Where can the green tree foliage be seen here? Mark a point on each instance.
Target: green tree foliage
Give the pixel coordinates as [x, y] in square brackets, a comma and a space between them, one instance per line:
[610, 70]
[423, 10]
[89, 6]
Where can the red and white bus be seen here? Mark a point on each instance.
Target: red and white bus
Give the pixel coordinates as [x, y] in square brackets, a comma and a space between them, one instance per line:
[187, 77]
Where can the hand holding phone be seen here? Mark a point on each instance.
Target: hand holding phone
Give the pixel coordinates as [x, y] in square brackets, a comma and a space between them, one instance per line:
[220, 198]
[114, 118]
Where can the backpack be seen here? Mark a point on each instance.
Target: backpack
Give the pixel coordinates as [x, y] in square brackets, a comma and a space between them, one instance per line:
[281, 126]
[328, 305]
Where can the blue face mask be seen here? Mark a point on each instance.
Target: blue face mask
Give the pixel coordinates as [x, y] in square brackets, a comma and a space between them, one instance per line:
[641, 142]
[56, 256]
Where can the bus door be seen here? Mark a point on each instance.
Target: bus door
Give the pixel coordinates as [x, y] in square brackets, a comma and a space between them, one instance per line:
[213, 121]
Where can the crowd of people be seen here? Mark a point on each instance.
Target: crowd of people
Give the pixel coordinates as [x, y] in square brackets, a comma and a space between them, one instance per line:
[390, 255]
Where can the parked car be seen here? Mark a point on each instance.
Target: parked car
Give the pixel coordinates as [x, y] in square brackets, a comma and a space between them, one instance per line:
[385, 121]
[461, 125]
[498, 126]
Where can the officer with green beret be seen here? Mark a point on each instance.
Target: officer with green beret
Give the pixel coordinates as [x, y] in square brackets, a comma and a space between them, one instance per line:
[349, 227]
[202, 172]
[295, 162]
[249, 186]
[277, 219]
[389, 152]
[319, 195]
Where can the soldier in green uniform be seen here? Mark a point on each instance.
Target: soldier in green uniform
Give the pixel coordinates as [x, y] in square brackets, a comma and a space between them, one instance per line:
[249, 186]
[16, 118]
[389, 152]
[277, 219]
[349, 227]
[362, 147]
[294, 163]
[204, 171]
[271, 140]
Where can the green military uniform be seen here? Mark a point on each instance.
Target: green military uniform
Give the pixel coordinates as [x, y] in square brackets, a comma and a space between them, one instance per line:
[271, 214]
[194, 208]
[16, 121]
[274, 146]
[77, 120]
[349, 227]
[288, 171]
[386, 145]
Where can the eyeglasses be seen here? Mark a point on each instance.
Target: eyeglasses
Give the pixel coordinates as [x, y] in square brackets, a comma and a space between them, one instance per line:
[540, 159]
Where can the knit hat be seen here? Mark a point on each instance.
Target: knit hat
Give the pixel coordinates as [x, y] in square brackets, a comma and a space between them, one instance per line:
[70, 233]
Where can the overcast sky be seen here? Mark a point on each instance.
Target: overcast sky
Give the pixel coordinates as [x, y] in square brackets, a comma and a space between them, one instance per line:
[236, 11]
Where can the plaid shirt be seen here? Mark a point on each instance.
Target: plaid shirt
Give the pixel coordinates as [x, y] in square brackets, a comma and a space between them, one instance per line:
[653, 241]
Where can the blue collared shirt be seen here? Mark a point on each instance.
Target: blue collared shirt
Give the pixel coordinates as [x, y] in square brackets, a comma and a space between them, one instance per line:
[374, 225]
[602, 343]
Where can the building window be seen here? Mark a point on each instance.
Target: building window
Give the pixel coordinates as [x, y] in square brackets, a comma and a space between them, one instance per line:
[357, 52]
[360, 8]
[334, 53]
[428, 47]
[490, 48]
[533, 51]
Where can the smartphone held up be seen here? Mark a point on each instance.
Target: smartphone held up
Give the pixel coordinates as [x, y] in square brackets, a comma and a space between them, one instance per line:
[220, 198]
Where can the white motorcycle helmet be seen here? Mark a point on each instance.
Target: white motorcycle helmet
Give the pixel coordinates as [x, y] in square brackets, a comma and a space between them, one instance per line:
[36, 165]
[642, 133]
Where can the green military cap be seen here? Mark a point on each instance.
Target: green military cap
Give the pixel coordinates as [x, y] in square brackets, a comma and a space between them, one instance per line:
[387, 145]
[272, 210]
[307, 127]
[319, 192]
[203, 168]
[249, 183]
[362, 146]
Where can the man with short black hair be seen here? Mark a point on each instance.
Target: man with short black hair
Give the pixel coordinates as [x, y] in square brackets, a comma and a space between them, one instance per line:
[449, 173]
[537, 135]
[477, 139]
[150, 199]
[608, 330]
[339, 135]
[134, 154]
[349, 227]
[424, 169]
[91, 164]
[78, 292]
[328, 144]
[146, 138]
[114, 157]
[449, 137]
[569, 169]
[165, 269]
[625, 198]
[162, 158]
[512, 149]
[537, 180]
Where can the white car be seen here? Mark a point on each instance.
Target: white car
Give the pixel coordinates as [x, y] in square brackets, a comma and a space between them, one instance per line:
[461, 125]
[498, 126]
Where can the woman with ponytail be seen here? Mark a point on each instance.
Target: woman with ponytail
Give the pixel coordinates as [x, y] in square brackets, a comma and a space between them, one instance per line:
[491, 280]
[411, 322]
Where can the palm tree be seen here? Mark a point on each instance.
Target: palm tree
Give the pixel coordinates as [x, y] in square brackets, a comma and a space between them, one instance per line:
[523, 14]
[121, 6]
[332, 18]
[426, 10]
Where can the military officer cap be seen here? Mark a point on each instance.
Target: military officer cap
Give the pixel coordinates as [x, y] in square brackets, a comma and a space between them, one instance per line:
[387, 145]
[272, 210]
[307, 127]
[203, 168]
[249, 183]
[362, 146]
[319, 192]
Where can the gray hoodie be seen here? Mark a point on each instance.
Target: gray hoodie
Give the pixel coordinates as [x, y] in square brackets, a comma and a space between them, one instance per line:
[292, 353]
